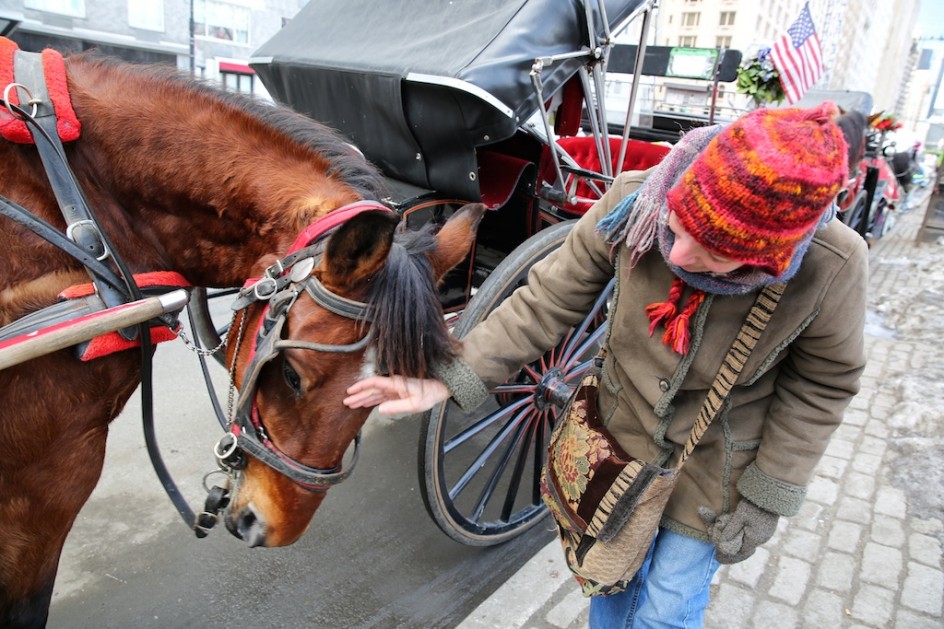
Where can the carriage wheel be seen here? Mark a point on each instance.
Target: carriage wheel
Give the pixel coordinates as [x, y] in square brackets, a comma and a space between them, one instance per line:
[480, 472]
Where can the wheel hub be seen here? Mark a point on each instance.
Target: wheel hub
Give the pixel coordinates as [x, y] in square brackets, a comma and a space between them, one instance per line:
[552, 390]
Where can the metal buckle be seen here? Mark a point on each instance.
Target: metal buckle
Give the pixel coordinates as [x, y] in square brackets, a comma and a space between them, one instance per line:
[70, 234]
[265, 288]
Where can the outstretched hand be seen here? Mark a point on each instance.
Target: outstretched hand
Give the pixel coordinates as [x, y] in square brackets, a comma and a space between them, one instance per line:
[396, 395]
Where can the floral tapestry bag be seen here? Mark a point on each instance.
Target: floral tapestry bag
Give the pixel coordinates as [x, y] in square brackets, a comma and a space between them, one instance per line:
[608, 504]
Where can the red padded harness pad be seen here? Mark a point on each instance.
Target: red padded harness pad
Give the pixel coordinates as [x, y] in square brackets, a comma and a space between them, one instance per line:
[54, 68]
[113, 342]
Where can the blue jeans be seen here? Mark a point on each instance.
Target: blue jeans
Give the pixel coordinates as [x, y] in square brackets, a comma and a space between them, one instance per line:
[670, 590]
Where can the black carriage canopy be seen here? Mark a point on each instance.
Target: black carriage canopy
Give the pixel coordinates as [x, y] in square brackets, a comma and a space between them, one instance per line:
[418, 85]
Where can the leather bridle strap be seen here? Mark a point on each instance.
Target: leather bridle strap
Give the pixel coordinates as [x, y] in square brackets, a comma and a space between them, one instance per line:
[247, 433]
[310, 478]
[53, 236]
[81, 225]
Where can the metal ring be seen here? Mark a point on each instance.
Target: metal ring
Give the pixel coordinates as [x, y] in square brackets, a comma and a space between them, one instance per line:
[211, 473]
[30, 100]
[228, 449]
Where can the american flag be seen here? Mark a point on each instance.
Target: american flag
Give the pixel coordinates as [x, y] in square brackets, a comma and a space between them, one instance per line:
[798, 56]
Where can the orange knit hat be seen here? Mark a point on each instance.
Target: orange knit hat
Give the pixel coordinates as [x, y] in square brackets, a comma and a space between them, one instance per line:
[762, 184]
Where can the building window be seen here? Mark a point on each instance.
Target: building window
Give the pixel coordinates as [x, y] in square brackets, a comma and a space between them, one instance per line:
[236, 77]
[221, 20]
[691, 19]
[727, 18]
[74, 8]
[687, 41]
[723, 41]
[146, 14]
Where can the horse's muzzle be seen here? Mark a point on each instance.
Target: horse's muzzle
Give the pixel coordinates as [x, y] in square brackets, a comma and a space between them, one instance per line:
[247, 525]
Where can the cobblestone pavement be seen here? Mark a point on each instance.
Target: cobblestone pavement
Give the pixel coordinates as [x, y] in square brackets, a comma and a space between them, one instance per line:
[865, 550]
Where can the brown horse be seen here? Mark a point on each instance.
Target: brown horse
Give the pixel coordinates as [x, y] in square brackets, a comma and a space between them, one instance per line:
[215, 187]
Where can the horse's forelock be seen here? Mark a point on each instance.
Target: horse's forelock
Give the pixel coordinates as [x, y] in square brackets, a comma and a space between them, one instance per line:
[409, 333]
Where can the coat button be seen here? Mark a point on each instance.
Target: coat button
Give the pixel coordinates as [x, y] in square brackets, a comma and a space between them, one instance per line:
[664, 384]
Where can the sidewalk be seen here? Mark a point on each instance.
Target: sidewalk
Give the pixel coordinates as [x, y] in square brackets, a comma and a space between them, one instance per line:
[865, 550]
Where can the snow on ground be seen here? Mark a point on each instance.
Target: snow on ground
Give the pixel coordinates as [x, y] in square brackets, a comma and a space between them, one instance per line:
[914, 312]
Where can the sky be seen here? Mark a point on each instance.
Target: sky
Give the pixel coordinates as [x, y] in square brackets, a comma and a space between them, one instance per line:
[931, 18]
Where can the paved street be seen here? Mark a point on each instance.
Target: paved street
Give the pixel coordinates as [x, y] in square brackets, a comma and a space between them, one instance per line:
[865, 551]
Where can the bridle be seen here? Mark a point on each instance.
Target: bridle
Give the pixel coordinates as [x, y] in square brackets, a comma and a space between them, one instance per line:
[279, 288]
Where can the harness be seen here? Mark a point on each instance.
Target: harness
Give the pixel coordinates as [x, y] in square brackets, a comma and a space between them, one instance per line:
[113, 285]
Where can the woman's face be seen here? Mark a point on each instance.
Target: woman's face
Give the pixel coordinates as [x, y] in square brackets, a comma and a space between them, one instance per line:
[691, 256]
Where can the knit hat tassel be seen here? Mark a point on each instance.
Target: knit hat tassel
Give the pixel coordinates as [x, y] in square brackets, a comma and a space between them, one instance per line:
[677, 335]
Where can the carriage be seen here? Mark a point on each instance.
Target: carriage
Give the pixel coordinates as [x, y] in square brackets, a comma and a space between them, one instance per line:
[493, 107]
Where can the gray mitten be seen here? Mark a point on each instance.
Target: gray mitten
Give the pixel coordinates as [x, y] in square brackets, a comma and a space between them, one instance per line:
[737, 535]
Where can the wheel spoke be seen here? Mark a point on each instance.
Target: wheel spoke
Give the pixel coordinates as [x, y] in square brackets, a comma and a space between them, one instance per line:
[589, 320]
[531, 371]
[540, 452]
[589, 343]
[509, 389]
[514, 443]
[514, 484]
[477, 427]
[479, 461]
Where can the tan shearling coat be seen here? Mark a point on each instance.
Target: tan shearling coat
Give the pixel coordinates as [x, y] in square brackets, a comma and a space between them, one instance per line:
[787, 402]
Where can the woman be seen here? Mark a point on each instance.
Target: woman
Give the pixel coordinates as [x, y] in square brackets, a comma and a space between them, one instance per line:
[728, 211]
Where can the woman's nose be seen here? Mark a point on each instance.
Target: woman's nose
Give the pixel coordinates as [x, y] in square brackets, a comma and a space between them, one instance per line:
[681, 254]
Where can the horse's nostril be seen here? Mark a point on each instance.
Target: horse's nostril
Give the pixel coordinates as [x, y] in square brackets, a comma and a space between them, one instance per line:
[247, 526]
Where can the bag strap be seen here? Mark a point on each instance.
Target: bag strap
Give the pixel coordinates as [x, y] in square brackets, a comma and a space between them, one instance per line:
[733, 363]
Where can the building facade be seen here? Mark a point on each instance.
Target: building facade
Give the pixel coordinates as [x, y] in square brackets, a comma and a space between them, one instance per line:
[212, 39]
[867, 46]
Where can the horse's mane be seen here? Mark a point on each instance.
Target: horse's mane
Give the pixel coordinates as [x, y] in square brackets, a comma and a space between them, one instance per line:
[345, 161]
[409, 333]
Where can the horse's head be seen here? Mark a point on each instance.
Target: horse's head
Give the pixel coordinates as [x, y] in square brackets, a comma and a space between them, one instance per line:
[365, 301]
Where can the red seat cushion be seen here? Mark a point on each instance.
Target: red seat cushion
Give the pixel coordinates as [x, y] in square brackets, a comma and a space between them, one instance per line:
[640, 155]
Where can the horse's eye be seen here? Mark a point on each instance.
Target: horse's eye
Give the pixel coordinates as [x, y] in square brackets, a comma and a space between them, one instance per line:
[292, 378]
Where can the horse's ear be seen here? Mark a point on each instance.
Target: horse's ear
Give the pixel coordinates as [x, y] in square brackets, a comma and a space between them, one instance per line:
[358, 249]
[455, 238]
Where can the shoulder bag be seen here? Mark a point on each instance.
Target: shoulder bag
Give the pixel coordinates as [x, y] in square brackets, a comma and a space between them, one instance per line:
[607, 504]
